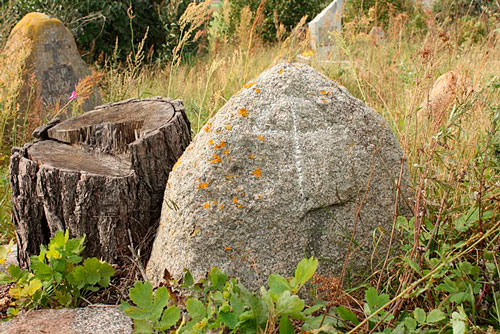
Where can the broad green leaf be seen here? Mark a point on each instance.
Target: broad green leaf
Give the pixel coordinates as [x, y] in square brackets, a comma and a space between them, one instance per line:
[142, 294]
[371, 297]
[312, 309]
[159, 302]
[410, 323]
[217, 278]
[305, 270]
[458, 323]
[170, 317]
[277, 284]
[143, 327]
[435, 316]
[288, 304]
[196, 309]
[137, 313]
[42, 270]
[347, 315]
[286, 326]
[188, 279]
[419, 315]
[229, 319]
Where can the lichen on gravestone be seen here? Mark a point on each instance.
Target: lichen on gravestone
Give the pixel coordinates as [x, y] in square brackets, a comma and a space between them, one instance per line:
[42, 67]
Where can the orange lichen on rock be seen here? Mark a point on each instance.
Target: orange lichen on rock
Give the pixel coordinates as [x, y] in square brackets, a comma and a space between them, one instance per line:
[243, 112]
[202, 185]
[229, 127]
[221, 145]
[257, 173]
[206, 205]
[177, 164]
[216, 159]
[261, 137]
[257, 90]
[251, 156]
[248, 85]
[210, 142]
[235, 200]
[221, 206]
[208, 127]
[226, 152]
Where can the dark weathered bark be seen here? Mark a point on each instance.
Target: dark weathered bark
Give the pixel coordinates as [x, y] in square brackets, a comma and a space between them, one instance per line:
[102, 174]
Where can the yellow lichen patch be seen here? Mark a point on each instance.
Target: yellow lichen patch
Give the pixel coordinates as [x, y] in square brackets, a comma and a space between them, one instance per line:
[261, 137]
[257, 173]
[208, 127]
[229, 127]
[34, 23]
[281, 71]
[248, 85]
[226, 152]
[198, 180]
[257, 90]
[214, 203]
[243, 112]
[216, 159]
[202, 185]
[251, 156]
[206, 205]
[235, 200]
[221, 145]
[210, 142]
[240, 206]
[324, 92]
[194, 164]
[177, 164]
[324, 101]
[259, 196]
[221, 206]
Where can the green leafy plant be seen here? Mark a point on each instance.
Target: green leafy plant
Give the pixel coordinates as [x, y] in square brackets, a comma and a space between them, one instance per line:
[218, 303]
[149, 314]
[56, 278]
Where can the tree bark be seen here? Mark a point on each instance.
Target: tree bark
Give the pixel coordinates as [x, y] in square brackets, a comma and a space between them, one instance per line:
[101, 174]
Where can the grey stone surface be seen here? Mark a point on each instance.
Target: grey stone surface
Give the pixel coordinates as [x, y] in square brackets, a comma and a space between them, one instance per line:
[88, 320]
[326, 22]
[277, 175]
[44, 50]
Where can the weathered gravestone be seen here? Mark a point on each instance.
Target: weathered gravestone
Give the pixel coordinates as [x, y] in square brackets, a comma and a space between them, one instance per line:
[89, 320]
[279, 174]
[326, 22]
[43, 52]
[101, 174]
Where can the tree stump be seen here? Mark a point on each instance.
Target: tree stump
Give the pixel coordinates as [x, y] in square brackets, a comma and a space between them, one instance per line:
[102, 174]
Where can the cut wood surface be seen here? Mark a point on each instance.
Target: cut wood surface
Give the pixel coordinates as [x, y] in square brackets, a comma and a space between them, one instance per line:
[102, 174]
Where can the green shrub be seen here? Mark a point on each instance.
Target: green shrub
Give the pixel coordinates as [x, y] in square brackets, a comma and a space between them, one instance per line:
[287, 12]
[56, 278]
[100, 26]
[380, 10]
[459, 8]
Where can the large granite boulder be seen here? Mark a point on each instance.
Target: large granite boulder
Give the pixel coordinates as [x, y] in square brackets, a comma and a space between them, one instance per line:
[41, 57]
[276, 175]
[98, 319]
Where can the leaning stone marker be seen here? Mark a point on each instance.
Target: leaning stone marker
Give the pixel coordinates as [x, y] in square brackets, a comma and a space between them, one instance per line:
[101, 174]
[277, 175]
[326, 22]
[43, 51]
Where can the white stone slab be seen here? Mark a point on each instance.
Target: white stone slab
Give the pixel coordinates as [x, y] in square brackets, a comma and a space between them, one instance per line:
[326, 22]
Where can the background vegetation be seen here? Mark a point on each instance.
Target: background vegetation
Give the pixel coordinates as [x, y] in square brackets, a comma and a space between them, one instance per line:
[446, 280]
